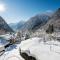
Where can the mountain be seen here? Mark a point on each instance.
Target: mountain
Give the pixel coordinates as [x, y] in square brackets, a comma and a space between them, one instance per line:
[55, 21]
[36, 22]
[16, 26]
[20, 24]
[4, 27]
[13, 26]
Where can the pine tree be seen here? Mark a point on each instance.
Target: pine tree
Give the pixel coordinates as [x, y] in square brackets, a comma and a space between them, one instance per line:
[50, 29]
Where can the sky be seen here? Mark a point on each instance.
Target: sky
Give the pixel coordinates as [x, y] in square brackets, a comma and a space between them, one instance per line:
[14, 11]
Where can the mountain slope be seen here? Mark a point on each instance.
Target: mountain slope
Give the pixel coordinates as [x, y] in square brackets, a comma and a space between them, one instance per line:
[55, 21]
[16, 26]
[4, 27]
[13, 25]
[20, 24]
[35, 22]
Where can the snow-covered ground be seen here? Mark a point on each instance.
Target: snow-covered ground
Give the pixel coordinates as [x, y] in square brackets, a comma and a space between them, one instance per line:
[42, 51]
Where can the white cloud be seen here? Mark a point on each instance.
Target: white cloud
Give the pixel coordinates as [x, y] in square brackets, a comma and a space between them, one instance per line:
[49, 11]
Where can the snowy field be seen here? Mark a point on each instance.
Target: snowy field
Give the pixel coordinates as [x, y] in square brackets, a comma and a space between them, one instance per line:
[42, 51]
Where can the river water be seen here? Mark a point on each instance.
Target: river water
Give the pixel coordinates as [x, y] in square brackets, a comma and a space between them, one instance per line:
[3, 41]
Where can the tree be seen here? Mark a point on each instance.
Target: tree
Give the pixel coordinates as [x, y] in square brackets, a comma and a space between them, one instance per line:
[50, 29]
[27, 36]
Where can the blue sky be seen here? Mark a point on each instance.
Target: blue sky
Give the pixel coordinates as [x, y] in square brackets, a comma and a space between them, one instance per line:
[18, 10]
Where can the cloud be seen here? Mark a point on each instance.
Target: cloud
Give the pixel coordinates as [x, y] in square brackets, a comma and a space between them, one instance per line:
[49, 11]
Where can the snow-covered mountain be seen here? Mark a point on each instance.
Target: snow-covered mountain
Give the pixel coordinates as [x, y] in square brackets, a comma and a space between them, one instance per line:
[43, 21]
[4, 27]
[33, 23]
[16, 26]
[13, 25]
[36, 21]
[20, 24]
[55, 21]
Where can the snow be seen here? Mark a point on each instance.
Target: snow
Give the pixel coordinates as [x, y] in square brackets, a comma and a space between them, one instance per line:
[2, 47]
[49, 50]
[11, 53]
[41, 50]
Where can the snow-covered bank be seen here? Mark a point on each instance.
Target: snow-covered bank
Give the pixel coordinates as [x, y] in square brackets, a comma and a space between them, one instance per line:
[42, 51]
[3, 43]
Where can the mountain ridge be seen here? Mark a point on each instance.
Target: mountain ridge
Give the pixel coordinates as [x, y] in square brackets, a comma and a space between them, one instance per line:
[4, 27]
